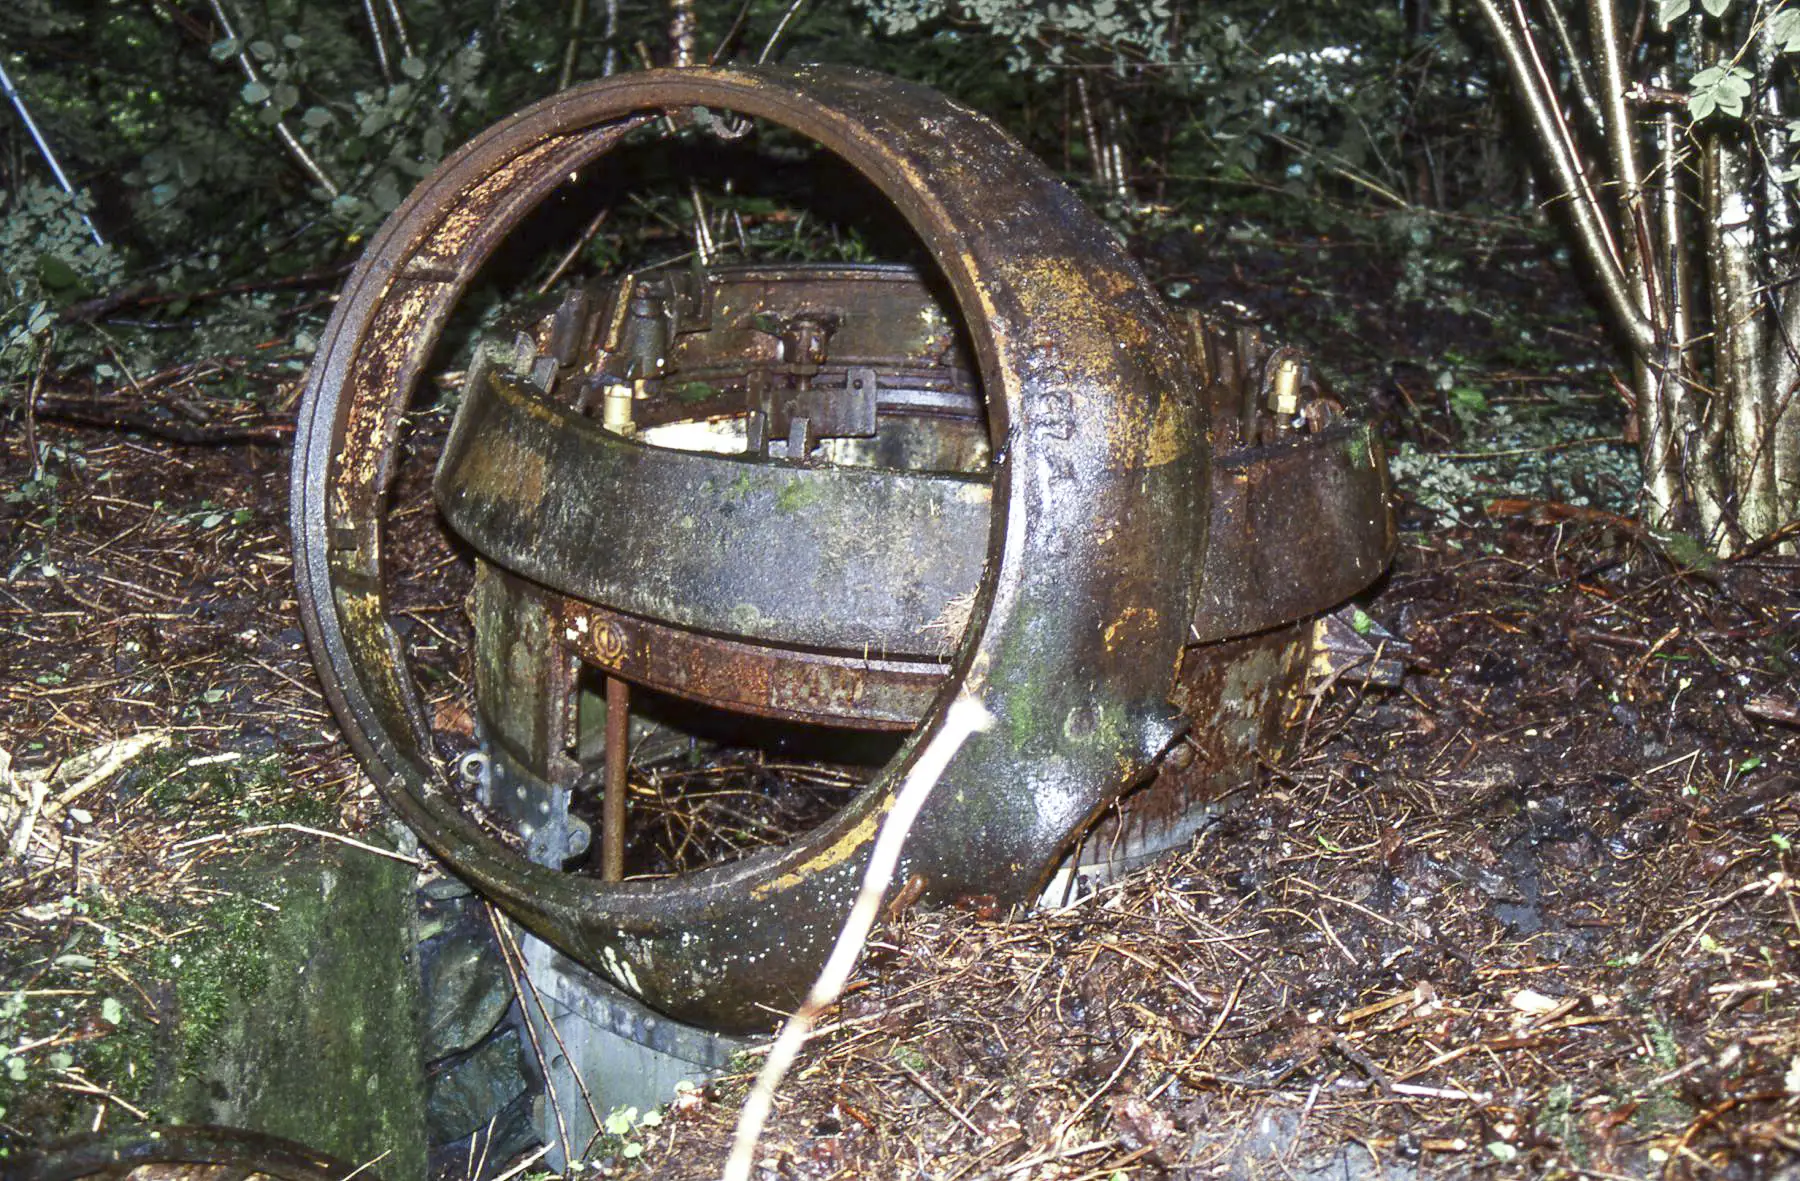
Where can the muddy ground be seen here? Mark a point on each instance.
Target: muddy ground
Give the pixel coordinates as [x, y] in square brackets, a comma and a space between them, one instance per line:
[1533, 912]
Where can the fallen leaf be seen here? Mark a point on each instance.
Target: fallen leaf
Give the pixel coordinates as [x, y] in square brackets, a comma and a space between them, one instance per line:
[1535, 1003]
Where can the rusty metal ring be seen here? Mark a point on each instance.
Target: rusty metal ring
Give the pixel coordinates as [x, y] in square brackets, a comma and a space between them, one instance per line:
[1100, 491]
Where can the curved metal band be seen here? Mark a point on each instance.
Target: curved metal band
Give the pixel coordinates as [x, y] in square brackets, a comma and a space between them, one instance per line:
[845, 558]
[1099, 497]
[814, 688]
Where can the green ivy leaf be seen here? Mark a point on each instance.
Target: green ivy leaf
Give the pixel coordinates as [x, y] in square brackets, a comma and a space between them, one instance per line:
[316, 117]
[385, 192]
[225, 50]
[57, 274]
[412, 67]
[111, 1011]
[1670, 11]
[1719, 88]
[285, 96]
[255, 93]
[1784, 29]
[1715, 8]
[262, 51]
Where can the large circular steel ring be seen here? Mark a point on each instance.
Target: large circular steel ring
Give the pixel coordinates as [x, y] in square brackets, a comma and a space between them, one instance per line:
[1099, 495]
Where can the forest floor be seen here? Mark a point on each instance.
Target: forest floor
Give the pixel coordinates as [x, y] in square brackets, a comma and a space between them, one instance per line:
[1534, 912]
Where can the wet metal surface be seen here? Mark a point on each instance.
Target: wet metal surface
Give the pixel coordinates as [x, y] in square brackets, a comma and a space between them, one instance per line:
[827, 557]
[789, 684]
[1064, 517]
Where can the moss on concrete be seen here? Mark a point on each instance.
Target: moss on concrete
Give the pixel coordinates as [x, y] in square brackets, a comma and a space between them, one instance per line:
[300, 1010]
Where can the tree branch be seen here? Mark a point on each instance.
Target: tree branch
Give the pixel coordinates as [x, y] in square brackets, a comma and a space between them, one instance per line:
[1572, 59]
[380, 39]
[1603, 17]
[1592, 232]
[572, 46]
[288, 139]
[1738, 328]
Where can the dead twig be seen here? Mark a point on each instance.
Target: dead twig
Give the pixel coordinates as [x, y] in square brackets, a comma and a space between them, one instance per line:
[513, 975]
[938, 1098]
[966, 715]
[308, 830]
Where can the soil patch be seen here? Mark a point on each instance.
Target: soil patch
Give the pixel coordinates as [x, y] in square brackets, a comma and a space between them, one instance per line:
[1533, 911]
[1536, 911]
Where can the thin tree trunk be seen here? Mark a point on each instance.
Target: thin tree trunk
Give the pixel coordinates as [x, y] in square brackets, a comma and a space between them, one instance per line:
[610, 64]
[1777, 228]
[1694, 462]
[1593, 235]
[1096, 154]
[1665, 443]
[1621, 141]
[1573, 60]
[402, 38]
[1784, 368]
[1738, 336]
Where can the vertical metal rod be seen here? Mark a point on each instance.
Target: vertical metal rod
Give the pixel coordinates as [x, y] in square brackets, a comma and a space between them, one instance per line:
[618, 756]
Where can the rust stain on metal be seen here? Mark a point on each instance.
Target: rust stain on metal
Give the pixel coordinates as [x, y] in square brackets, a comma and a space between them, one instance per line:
[852, 845]
[1133, 617]
[1052, 484]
